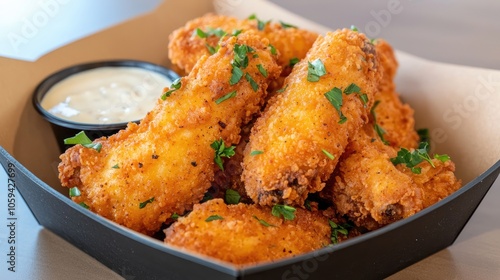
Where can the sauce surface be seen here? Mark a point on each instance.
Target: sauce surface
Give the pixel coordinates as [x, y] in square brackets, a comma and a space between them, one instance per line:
[106, 95]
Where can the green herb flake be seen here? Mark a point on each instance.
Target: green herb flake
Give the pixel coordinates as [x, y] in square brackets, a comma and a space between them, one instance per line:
[352, 88]
[364, 98]
[116, 166]
[176, 84]
[412, 159]
[144, 203]
[256, 152]
[334, 96]
[236, 32]
[74, 192]
[293, 61]
[287, 25]
[82, 139]
[175, 216]
[232, 197]
[288, 212]
[213, 218]
[443, 158]
[315, 70]
[378, 129]
[221, 151]
[84, 205]
[424, 136]
[336, 229]
[240, 56]
[330, 156]
[200, 33]
[262, 70]
[354, 28]
[211, 49]
[263, 222]
[206, 197]
[226, 97]
[272, 49]
[252, 82]
[236, 75]
[282, 89]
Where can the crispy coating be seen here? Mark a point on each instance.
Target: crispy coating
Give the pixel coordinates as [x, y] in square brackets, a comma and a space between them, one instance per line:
[300, 123]
[435, 182]
[240, 238]
[185, 49]
[392, 115]
[167, 159]
[369, 189]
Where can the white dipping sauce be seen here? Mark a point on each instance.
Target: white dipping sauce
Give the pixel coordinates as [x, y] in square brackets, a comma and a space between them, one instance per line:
[106, 95]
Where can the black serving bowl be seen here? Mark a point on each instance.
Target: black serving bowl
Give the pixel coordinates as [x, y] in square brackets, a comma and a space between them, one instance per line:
[63, 128]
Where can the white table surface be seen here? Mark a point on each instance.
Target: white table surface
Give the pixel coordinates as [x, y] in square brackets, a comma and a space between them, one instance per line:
[460, 32]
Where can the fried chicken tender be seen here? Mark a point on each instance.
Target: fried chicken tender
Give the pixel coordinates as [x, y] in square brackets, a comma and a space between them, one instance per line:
[248, 234]
[301, 129]
[368, 188]
[393, 116]
[145, 173]
[185, 47]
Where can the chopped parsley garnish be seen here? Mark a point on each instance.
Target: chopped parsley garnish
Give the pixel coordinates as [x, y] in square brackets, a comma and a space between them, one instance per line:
[206, 197]
[336, 229]
[116, 166]
[282, 89]
[236, 74]
[262, 70]
[380, 131]
[443, 158]
[144, 203]
[212, 49]
[256, 152]
[354, 28]
[232, 197]
[288, 212]
[175, 216]
[82, 139]
[352, 88]
[424, 136]
[210, 32]
[213, 218]
[263, 222]
[273, 50]
[226, 97]
[335, 98]
[315, 70]
[307, 204]
[252, 82]
[240, 55]
[84, 205]
[236, 32]
[293, 61]
[260, 24]
[74, 192]
[176, 84]
[412, 159]
[330, 156]
[287, 25]
[221, 151]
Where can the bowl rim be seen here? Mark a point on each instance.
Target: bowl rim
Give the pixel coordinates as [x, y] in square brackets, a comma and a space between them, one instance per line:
[48, 82]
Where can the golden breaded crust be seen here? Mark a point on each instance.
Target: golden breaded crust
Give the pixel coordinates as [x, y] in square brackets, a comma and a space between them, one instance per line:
[167, 159]
[300, 123]
[240, 238]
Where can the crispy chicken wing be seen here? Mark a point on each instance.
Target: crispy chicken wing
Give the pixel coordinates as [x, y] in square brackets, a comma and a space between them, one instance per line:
[296, 144]
[247, 234]
[145, 173]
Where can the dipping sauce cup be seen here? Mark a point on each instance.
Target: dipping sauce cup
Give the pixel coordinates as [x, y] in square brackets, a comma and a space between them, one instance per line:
[100, 98]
